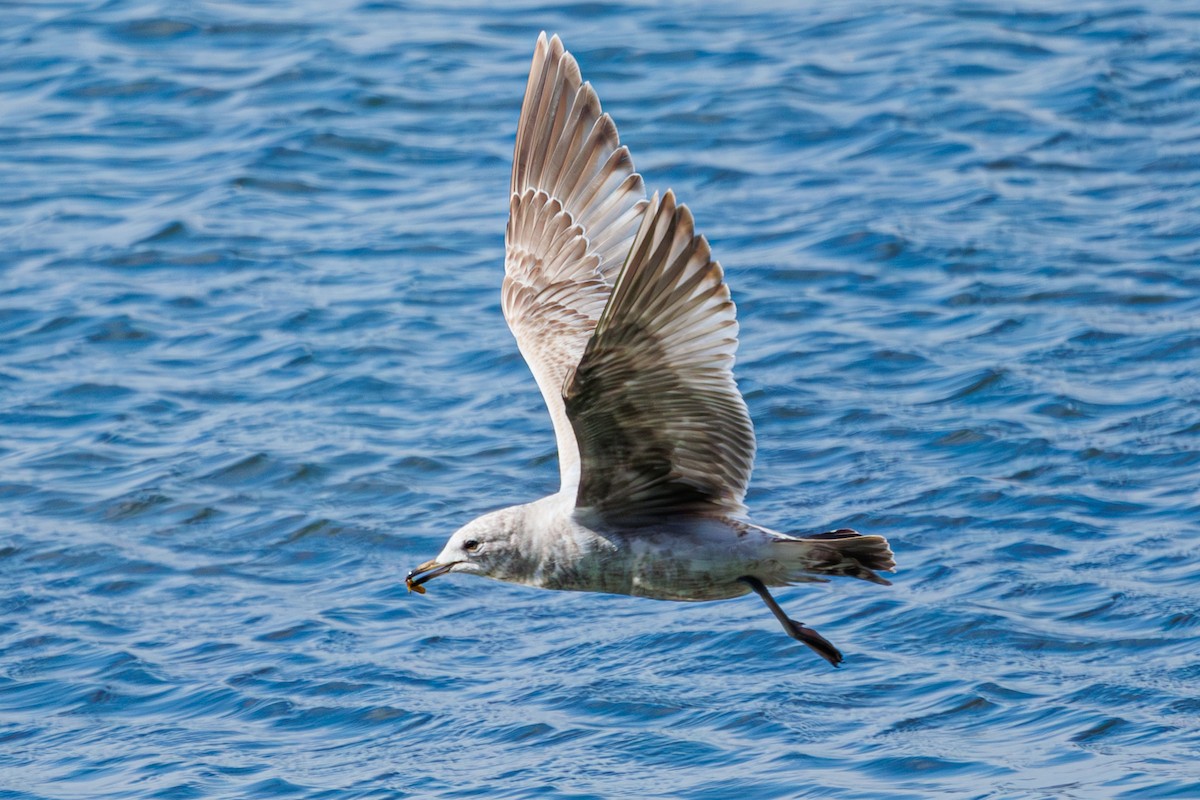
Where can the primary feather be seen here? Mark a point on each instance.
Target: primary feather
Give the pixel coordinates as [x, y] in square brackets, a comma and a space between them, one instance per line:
[576, 204]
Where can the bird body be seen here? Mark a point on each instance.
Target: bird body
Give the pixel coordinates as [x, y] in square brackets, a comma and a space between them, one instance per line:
[628, 327]
[551, 544]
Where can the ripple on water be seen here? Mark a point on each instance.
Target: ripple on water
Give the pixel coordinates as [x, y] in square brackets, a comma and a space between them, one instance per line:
[255, 369]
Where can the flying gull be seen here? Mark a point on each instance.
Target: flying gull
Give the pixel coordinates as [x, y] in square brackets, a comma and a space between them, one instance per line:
[627, 324]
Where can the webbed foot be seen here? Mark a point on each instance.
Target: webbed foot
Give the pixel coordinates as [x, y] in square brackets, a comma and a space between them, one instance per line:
[797, 630]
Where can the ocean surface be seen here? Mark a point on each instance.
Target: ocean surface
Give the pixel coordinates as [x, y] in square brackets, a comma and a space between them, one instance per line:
[253, 369]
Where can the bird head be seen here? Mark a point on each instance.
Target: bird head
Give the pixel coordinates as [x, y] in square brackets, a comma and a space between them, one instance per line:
[484, 546]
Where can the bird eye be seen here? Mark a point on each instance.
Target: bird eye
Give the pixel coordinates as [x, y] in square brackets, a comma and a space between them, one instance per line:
[471, 545]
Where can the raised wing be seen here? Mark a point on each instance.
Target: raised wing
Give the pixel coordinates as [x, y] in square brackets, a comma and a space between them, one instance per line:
[575, 207]
[661, 425]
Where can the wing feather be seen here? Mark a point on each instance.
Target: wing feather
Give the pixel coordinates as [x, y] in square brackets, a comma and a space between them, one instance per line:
[576, 205]
[661, 425]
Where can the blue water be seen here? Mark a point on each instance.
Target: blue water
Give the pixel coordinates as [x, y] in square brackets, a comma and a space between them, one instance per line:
[253, 369]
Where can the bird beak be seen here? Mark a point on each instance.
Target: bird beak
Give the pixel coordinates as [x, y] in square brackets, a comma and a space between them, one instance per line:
[426, 572]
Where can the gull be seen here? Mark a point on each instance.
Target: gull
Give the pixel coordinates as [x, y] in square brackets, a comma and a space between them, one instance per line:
[626, 322]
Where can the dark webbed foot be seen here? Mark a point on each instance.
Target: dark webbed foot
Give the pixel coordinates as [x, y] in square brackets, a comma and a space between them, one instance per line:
[797, 630]
[819, 644]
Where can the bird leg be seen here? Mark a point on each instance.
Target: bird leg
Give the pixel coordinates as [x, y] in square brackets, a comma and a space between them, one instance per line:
[797, 630]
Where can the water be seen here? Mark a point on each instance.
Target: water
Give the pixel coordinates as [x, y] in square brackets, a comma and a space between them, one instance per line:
[253, 369]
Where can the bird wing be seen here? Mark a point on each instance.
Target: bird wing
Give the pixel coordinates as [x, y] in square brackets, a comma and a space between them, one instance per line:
[576, 204]
[661, 425]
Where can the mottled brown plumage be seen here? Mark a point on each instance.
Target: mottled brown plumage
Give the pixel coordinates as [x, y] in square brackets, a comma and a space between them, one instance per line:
[661, 426]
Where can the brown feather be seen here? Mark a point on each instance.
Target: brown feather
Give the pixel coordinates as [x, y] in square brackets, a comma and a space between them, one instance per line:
[660, 423]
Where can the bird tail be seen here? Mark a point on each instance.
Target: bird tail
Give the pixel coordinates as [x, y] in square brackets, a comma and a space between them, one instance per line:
[841, 552]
